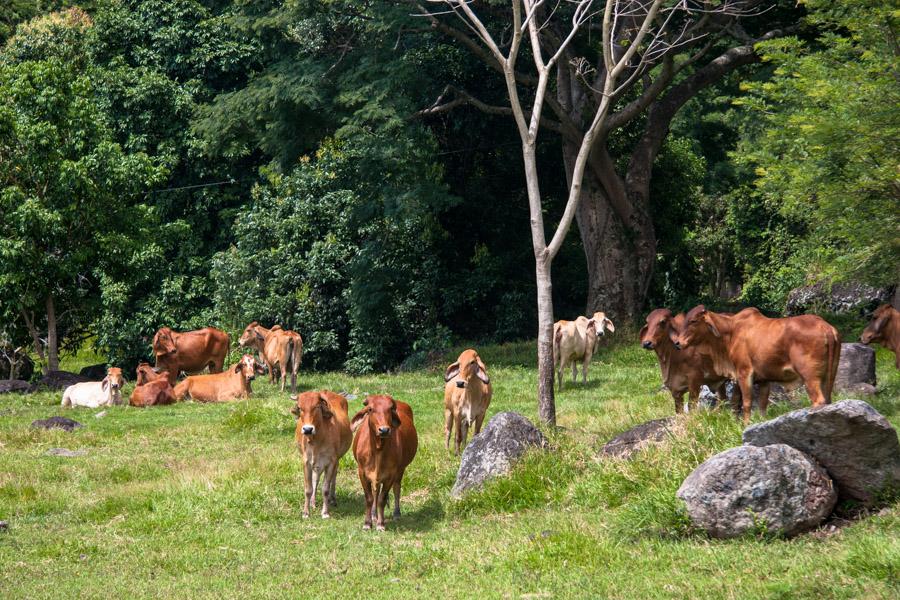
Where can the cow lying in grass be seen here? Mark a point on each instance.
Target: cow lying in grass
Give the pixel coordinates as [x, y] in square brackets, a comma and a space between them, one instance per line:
[93, 394]
[232, 384]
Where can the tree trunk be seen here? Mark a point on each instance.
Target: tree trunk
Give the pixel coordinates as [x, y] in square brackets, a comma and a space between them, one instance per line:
[35, 338]
[52, 349]
[546, 400]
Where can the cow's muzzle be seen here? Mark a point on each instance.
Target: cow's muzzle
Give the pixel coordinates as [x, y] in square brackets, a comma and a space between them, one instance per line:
[308, 430]
[460, 384]
[647, 345]
[383, 432]
[677, 345]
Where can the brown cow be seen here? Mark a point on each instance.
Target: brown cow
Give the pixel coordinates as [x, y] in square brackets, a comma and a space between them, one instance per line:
[750, 347]
[323, 436]
[278, 348]
[153, 393]
[385, 444]
[190, 351]
[220, 387]
[467, 395]
[884, 328]
[682, 370]
[145, 374]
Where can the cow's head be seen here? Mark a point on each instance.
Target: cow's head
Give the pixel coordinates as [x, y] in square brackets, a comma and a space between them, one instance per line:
[875, 330]
[114, 380]
[698, 326]
[381, 411]
[311, 409]
[467, 366]
[164, 342]
[252, 336]
[145, 373]
[601, 322]
[658, 329]
[246, 367]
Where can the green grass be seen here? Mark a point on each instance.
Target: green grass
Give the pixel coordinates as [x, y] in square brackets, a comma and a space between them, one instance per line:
[204, 501]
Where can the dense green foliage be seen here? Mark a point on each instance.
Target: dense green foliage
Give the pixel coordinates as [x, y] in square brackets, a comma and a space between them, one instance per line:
[224, 161]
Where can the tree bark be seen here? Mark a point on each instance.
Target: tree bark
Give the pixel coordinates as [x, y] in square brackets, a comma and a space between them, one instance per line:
[546, 399]
[52, 349]
[35, 338]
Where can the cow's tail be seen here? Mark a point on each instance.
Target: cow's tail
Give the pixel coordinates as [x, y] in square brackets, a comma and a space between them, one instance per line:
[557, 338]
[834, 359]
[289, 356]
[297, 354]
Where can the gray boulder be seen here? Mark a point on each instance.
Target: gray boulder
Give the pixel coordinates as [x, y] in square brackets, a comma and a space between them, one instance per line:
[16, 386]
[94, 372]
[849, 297]
[494, 451]
[749, 487]
[857, 366]
[629, 442]
[56, 423]
[852, 440]
[59, 380]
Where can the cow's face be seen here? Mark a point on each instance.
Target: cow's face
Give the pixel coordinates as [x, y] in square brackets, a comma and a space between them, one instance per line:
[602, 323]
[697, 328]
[874, 331]
[469, 365]
[145, 373]
[311, 410]
[381, 411]
[246, 367]
[113, 380]
[164, 342]
[657, 329]
[251, 336]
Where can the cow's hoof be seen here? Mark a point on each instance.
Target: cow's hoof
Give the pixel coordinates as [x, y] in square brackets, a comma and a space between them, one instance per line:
[326, 516]
[367, 526]
[379, 527]
[396, 515]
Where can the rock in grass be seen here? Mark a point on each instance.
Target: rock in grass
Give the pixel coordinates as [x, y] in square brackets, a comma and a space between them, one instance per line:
[852, 440]
[59, 380]
[749, 488]
[494, 451]
[4, 526]
[14, 386]
[65, 452]
[56, 423]
[856, 369]
[94, 372]
[628, 443]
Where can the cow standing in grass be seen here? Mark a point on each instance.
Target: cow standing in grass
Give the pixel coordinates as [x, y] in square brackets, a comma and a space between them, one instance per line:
[467, 395]
[323, 436]
[576, 341]
[190, 351]
[280, 349]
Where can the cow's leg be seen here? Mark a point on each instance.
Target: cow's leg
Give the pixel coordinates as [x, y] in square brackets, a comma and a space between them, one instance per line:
[562, 369]
[814, 390]
[693, 395]
[327, 476]
[584, 368]
[367, 492]
[307, 487]
[574, 372]
[397, 497]
[745, 381]
[679, 402]
[332, 488]
[448, 426]
[293, 380]
[463, 433]
[380, 501]
[457, 421]
[763, 398]
[316, 477]
[736, 401]
[478, 421]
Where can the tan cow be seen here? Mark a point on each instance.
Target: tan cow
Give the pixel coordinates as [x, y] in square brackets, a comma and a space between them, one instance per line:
[278, 348]
[190, 351]
[467, 395]
[323, 436]
[750, 347]
[231, 384]
[576, 341]
[885, 328]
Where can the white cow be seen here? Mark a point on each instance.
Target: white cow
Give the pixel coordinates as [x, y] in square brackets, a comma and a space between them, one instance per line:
[577, 341]
[93, 394]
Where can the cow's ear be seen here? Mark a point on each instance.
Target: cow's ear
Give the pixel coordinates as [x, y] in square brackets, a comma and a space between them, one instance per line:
[609, 325]
[395, 418]
[711, 326]
[643, 332]
[482, 373]
[357, 419]
[104, 384]
[452, 371]
[295, 410]
[323, 405]
[238, 366]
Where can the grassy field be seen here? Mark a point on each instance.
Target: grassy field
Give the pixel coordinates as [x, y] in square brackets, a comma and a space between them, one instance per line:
[204, 501]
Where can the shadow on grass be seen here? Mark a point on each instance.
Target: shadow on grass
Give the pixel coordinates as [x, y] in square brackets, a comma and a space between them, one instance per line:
[422, 518]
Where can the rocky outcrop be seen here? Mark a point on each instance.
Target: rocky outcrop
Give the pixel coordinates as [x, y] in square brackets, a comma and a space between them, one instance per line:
[749, 488]
[629, 442]
[60, 380]
[16, 386]
[856, 369]
[852, 440]
[494, 451]
[56, 423]
[848, 297]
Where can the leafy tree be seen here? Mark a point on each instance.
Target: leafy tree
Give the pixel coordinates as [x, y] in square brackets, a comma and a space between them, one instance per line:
[826, 149]
[66, 187]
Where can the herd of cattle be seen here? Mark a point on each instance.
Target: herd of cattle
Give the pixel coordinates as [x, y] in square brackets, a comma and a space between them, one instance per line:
[694, 349]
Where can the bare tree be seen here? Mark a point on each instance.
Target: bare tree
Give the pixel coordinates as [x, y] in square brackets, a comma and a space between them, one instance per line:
[640, 42]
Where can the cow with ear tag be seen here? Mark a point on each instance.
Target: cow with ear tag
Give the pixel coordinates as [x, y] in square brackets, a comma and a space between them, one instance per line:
[467, 395]
[385, 444]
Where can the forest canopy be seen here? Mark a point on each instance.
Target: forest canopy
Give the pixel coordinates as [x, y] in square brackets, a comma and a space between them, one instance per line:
[197, 162]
